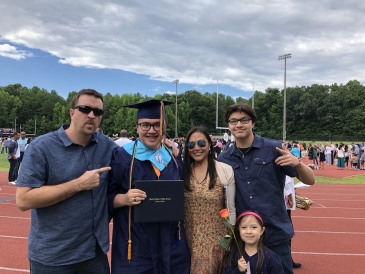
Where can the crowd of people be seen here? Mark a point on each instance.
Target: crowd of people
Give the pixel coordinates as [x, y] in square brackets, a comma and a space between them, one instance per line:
[351, 156]
[15, 148]
[76, 179]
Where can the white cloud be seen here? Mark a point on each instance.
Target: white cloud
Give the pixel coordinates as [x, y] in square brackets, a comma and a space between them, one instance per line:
[9, 51]
[237, 42]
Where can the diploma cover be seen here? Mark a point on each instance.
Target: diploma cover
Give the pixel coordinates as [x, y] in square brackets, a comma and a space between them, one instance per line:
[164, 201]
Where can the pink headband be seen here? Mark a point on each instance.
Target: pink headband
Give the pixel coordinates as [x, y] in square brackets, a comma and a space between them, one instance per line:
[250, 213]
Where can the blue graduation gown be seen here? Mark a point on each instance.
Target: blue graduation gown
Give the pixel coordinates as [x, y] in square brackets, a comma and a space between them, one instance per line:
[154, 245]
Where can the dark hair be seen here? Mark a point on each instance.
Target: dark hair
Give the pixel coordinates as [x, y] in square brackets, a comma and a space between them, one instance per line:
[188, 160]
[240, 108]
[29, 140]
[85, 92]
[232, 251]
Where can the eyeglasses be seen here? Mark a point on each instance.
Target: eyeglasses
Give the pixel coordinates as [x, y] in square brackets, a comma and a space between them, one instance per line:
[243, 120]
[201, 143]
[87, 110]
[147, 126]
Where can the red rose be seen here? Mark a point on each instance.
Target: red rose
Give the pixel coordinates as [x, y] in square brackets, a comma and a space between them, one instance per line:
[224, 213]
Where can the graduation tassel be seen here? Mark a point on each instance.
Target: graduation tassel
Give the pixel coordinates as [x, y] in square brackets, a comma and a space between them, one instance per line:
[129, 257]
[162, 118]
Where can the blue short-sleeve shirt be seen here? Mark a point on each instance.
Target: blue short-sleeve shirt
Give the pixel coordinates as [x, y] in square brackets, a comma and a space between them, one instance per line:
[67, 232]
[260, 185]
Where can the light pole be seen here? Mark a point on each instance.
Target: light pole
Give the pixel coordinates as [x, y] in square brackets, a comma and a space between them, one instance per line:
[281, 57]
[176, 82]
[253, 97]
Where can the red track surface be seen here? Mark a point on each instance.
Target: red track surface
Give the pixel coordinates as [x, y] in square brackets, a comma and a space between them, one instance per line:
[330, 236]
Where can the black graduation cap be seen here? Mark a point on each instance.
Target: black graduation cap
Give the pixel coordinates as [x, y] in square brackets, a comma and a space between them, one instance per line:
[150, 109]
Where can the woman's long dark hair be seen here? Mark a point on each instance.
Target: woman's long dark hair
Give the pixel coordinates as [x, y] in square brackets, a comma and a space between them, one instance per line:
[188, 161]
[232, 252]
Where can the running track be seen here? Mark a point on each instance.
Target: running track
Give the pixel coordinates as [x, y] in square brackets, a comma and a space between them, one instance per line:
[330, 236]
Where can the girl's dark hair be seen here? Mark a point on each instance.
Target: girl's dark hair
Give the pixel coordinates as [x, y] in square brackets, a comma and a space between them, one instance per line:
[188, 160]
[232, 252]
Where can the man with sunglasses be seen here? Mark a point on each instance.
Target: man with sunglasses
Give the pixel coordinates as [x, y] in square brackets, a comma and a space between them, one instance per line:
[64, 179]
[260, 166]
[151, 247]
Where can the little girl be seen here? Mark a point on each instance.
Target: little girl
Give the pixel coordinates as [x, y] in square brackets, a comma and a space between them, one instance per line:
[256, 257]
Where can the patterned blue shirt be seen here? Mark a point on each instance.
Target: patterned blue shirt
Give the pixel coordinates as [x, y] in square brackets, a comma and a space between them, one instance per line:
[260, 185]
[67, 232]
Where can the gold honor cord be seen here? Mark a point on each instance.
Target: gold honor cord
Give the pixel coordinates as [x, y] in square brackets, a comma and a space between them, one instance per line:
[129, 256]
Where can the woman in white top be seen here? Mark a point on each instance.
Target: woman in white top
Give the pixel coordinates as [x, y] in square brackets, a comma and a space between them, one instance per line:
[327, 153]
[341, 156]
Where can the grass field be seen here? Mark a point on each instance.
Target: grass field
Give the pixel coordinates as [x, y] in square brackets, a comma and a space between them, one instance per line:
[360, 179]
[4, 163]
[356, 180]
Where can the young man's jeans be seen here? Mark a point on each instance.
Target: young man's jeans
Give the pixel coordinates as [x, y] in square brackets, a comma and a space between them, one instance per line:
[97, 265]
[284, 253]
[13, 170]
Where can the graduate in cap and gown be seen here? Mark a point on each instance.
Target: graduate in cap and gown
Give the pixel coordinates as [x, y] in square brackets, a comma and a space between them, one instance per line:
[157, 247]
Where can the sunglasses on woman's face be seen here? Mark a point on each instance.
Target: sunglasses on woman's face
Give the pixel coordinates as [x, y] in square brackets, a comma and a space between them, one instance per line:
[201, 143]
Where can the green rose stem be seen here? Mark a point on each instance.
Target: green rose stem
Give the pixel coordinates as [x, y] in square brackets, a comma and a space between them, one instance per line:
[234, 236]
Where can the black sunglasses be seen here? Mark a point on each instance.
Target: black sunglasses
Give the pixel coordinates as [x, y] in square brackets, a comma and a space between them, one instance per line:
[201, 143]
[87, 110]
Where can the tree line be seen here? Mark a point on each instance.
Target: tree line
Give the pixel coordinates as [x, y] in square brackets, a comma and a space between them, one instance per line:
[316, 112]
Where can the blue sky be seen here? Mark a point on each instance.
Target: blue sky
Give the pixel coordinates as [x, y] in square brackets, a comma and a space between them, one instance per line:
[128, 47]
[44, 70]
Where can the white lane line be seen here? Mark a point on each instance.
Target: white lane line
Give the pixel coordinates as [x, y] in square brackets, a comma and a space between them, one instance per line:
[13, 237]
[14, 269]
[329, 254]
[337, 207]
[342, 218]
[330, 232]
[330, 194]
[12, 217]
[314, 202]
[336, 200]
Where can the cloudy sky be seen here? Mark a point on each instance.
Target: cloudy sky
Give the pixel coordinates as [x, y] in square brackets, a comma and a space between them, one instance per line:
[134, 46]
